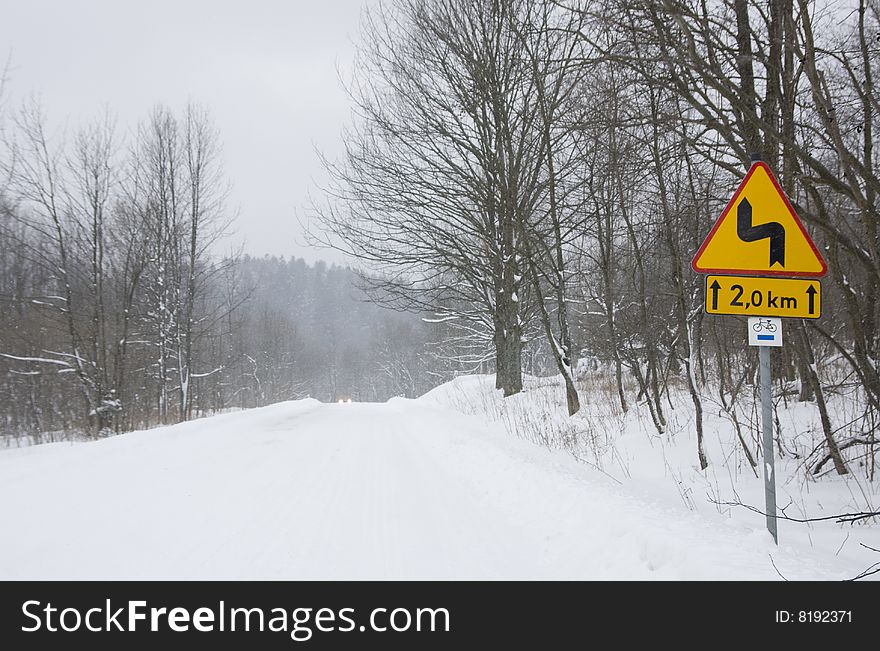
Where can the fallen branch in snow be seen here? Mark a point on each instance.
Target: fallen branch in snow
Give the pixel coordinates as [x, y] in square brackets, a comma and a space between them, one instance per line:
[856, 441]
[873, 569]
[842, 518]
[596, 467]
[781, 575]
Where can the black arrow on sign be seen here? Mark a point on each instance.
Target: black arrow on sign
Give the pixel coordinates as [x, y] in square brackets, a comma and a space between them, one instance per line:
[715, 287]
[811, 294]
[773, 230]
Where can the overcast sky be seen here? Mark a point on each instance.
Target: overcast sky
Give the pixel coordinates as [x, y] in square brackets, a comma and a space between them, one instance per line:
[266, 69]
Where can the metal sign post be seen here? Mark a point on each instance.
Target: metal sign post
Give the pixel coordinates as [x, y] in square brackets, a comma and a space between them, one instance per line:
[766, 333]
[767, 426]
[762, 262]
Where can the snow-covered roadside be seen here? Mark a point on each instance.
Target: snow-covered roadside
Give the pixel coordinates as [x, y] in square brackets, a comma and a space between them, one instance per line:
[409, 489]
[627, 449]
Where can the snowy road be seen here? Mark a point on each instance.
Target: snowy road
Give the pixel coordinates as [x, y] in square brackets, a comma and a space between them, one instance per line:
[302, 490]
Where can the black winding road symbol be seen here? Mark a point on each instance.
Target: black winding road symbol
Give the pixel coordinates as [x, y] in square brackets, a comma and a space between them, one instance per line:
[772, 230]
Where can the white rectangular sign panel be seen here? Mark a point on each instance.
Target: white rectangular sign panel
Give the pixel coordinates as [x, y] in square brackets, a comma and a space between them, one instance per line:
[765, 331]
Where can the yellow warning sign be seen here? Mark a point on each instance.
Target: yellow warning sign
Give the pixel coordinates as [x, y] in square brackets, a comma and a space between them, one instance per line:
[759, 233]
[772, 297]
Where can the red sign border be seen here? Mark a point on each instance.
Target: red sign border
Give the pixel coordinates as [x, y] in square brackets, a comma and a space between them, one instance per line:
[759, 272]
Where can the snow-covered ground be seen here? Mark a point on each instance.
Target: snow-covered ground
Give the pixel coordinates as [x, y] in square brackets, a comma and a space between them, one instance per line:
[409, 489]
[628, 450]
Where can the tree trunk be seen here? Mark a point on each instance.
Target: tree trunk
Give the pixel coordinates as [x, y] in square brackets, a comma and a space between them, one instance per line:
[508, 351]
[804, 349]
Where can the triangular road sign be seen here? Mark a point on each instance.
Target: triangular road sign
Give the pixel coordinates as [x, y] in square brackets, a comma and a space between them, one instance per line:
[759, 233]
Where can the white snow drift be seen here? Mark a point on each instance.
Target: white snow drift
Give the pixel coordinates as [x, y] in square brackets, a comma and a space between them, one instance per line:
[401, 490]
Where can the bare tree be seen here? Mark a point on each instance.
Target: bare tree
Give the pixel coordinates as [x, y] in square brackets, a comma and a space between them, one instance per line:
[553, 223]
[65, 204]
[758, 81]
[180, 193]
[444, 161]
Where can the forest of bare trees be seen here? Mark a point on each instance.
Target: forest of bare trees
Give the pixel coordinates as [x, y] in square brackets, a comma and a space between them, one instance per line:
[106, 267]
[546, 170]
[119, 311]
[526, 180]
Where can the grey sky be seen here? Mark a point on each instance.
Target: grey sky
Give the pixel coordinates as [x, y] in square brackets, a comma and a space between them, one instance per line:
[266, 69]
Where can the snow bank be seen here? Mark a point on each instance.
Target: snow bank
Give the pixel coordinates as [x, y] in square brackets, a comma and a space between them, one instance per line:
[409, 489]
[626, 448]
